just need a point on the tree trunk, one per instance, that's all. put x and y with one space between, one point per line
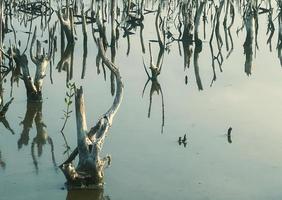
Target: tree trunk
90 169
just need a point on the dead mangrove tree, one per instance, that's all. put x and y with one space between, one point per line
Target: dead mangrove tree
90 169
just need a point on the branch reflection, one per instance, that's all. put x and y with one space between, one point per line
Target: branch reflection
95 194
153 78
34 114
248 44
66 62
2 162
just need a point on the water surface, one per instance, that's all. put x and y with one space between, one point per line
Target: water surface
148 162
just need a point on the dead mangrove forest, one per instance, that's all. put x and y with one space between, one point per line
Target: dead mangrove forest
125 75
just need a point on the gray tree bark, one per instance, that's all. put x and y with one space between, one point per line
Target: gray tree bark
90 169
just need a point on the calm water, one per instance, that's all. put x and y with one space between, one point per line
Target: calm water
148 163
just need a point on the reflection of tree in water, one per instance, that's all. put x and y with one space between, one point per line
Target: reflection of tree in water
66 62
2 162
34 114
248 44
184 18
191 22
155 69
279 42
153 78
65 16
3 120
4 107
6 124
95 194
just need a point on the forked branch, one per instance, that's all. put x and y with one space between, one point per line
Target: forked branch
90 169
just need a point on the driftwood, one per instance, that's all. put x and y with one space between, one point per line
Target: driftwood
90 169
40 59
